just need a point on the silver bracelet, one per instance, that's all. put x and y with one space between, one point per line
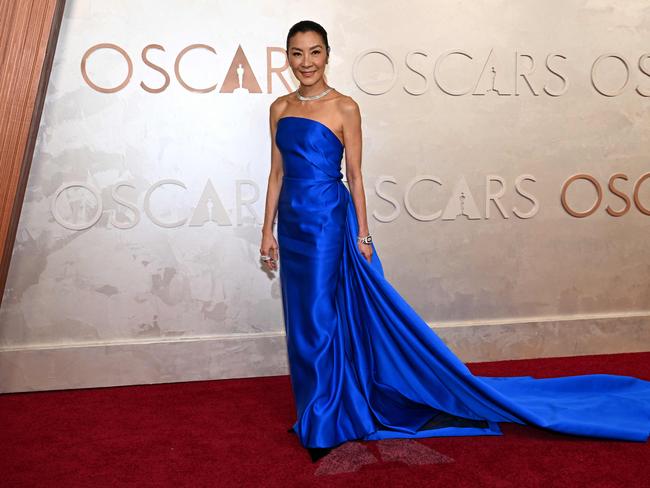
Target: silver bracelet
366 240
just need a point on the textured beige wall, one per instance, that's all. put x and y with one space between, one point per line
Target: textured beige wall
161 282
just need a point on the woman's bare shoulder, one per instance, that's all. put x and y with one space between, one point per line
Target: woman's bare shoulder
279 105
347 106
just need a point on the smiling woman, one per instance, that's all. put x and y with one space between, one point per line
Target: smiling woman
364 365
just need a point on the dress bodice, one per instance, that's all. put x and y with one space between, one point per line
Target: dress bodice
310 150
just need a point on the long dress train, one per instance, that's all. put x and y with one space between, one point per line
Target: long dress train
365 366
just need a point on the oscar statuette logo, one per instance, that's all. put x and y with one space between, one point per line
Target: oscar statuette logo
240 76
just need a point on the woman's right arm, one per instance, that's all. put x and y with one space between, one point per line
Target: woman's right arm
269 245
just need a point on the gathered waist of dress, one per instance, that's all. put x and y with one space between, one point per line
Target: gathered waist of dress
313 178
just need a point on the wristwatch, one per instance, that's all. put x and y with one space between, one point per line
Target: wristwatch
366 240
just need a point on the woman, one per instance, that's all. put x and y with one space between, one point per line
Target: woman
363 364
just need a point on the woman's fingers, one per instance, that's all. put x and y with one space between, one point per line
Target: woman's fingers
272 251
265 262
273 263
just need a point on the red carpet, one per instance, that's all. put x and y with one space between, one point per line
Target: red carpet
234 433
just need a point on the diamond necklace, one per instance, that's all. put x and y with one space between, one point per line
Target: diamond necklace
313 97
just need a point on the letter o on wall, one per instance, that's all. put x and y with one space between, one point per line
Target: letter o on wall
72 225
595 206
97 47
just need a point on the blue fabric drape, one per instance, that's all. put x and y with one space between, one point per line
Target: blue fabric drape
365 366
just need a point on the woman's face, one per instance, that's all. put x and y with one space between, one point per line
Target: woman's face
307 57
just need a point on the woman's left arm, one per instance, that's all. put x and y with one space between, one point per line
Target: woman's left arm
353 145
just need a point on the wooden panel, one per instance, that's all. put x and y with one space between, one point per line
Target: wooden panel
28 33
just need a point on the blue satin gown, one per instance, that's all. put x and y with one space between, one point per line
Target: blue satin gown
365 366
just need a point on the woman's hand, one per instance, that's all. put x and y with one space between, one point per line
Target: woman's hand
269 247
366 250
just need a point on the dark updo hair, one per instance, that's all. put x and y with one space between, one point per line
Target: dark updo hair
308 26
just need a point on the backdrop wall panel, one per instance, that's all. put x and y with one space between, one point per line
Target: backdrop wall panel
505 159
